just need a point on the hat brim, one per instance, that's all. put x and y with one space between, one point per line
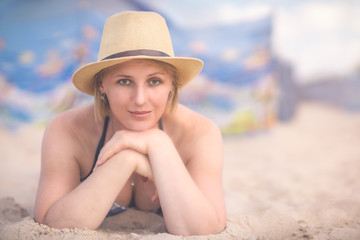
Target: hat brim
187 69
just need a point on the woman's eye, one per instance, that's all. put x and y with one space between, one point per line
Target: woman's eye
154 82
124 81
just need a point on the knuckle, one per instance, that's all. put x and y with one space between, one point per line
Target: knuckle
120 135
117 134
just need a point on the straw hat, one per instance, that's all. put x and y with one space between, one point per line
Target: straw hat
135 35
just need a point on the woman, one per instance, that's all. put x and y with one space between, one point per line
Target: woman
150 152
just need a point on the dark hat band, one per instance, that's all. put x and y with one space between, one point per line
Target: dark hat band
139 52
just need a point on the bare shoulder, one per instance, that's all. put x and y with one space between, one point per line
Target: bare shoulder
70 130
70 119
194 135
195 125
74 123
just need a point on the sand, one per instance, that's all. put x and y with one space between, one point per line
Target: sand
298 180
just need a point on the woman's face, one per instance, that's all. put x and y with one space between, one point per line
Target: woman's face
137 92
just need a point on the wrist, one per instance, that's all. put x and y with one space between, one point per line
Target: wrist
160 141
126 158
134 161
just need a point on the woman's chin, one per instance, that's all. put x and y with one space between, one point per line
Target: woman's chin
139 127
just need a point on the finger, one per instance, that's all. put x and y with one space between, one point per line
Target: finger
155 196
146 174
109 150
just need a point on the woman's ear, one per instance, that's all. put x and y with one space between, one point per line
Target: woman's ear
101 88
170 97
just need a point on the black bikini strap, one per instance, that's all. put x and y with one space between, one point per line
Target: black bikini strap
102 139
99 147
161 124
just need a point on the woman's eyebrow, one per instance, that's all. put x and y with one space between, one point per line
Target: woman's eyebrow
122 75
156 73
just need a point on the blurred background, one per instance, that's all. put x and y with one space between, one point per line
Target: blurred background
262 58
271 70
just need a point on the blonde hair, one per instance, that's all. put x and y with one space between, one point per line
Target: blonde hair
102 107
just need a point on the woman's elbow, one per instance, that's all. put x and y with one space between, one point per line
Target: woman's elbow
60 224
39 216
216 227
221 226
204 228
66 221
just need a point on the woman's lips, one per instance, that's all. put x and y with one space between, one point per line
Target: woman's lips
140 114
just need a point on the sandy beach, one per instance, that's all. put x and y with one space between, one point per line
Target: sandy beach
297 180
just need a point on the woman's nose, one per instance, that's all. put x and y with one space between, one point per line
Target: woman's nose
140 96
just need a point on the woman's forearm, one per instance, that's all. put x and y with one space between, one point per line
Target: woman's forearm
88 204
187 211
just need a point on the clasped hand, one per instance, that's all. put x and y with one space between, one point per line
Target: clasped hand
140 142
